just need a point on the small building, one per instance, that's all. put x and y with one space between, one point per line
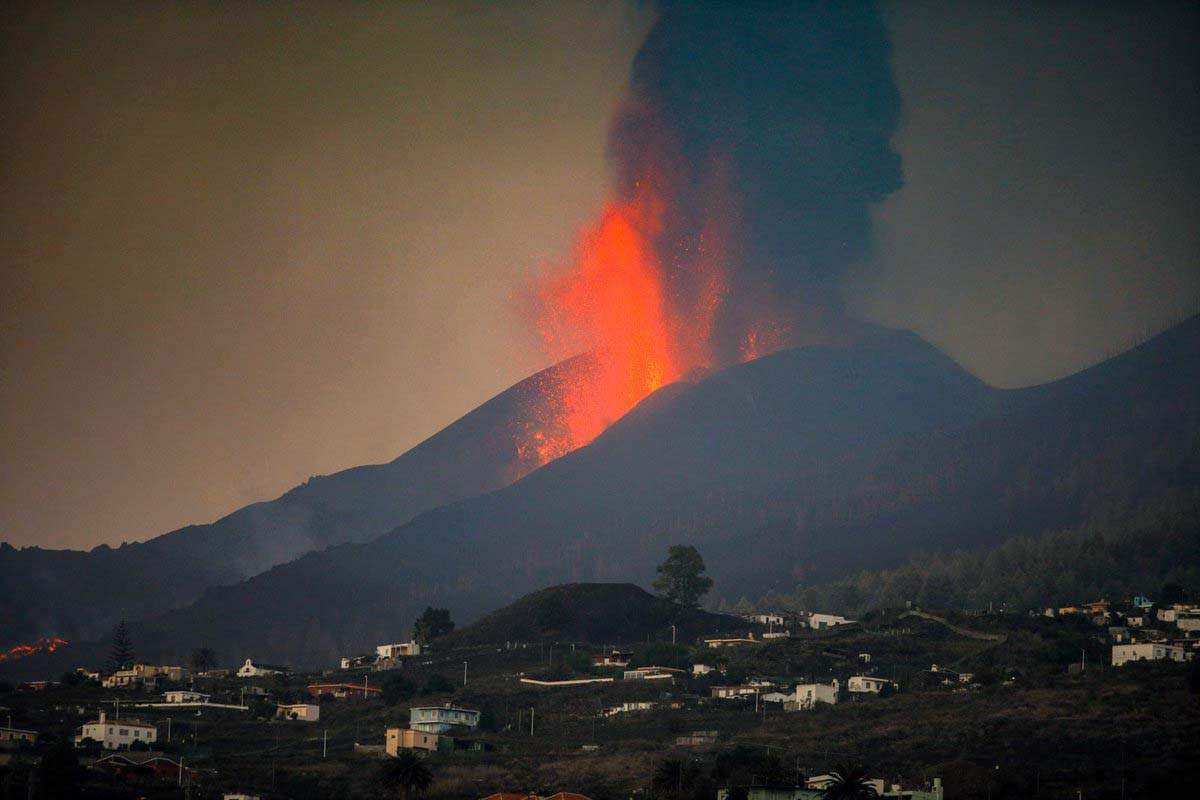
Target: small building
807 695
300 712
398 650
185 696
1118 633
357 662
651 674
865 684
775 697
697 739
257 669
614 658
342 691
733 692
1142 602
765 619
117 734
240 796
1148 651
397 739
820 622
440 719
145 765
639 705
1138 621
731 641
11 737
699 670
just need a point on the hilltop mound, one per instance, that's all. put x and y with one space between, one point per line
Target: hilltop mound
599 613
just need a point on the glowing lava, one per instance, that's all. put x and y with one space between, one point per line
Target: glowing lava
611 304
43 645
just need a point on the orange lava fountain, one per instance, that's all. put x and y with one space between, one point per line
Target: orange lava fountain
611 303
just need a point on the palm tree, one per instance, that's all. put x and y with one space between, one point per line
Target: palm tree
405 774
849 782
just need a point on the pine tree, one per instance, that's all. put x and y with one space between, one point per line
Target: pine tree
121 655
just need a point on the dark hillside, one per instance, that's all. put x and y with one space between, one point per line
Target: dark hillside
795 469
79 594
615 613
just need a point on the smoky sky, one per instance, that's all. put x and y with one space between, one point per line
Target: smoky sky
787 110
243 245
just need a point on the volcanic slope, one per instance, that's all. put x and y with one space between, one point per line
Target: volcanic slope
73 593
799 467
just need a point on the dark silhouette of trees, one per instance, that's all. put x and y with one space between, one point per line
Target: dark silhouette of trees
397 689
849 782
59 774
437 683
203 659
433 623
681 577
121 654
405 775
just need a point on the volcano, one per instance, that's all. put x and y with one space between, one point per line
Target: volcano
806 465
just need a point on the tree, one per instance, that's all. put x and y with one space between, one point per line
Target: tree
1171 593
59 773
681 577
396 689
404 775
674 779
437 683
433 623
121 654
203 659
849 782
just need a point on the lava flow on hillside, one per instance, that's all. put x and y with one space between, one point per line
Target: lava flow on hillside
43 645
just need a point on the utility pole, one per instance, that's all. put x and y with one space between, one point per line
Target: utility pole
672 634
464 673
531 716
168 729
325 743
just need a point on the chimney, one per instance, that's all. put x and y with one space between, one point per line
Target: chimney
101 715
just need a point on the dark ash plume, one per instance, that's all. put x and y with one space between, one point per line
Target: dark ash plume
775 118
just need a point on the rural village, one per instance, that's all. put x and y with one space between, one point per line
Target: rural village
761 706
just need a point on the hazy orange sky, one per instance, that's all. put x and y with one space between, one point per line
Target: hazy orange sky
241 246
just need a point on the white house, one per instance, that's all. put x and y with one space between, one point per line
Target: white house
702 669
776 697
822 621
765 619
614 658
302 712
185 696
650 674
257 670
808 695
397 650
1147 651
117 734
864 684
440 719
626 707
730 692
